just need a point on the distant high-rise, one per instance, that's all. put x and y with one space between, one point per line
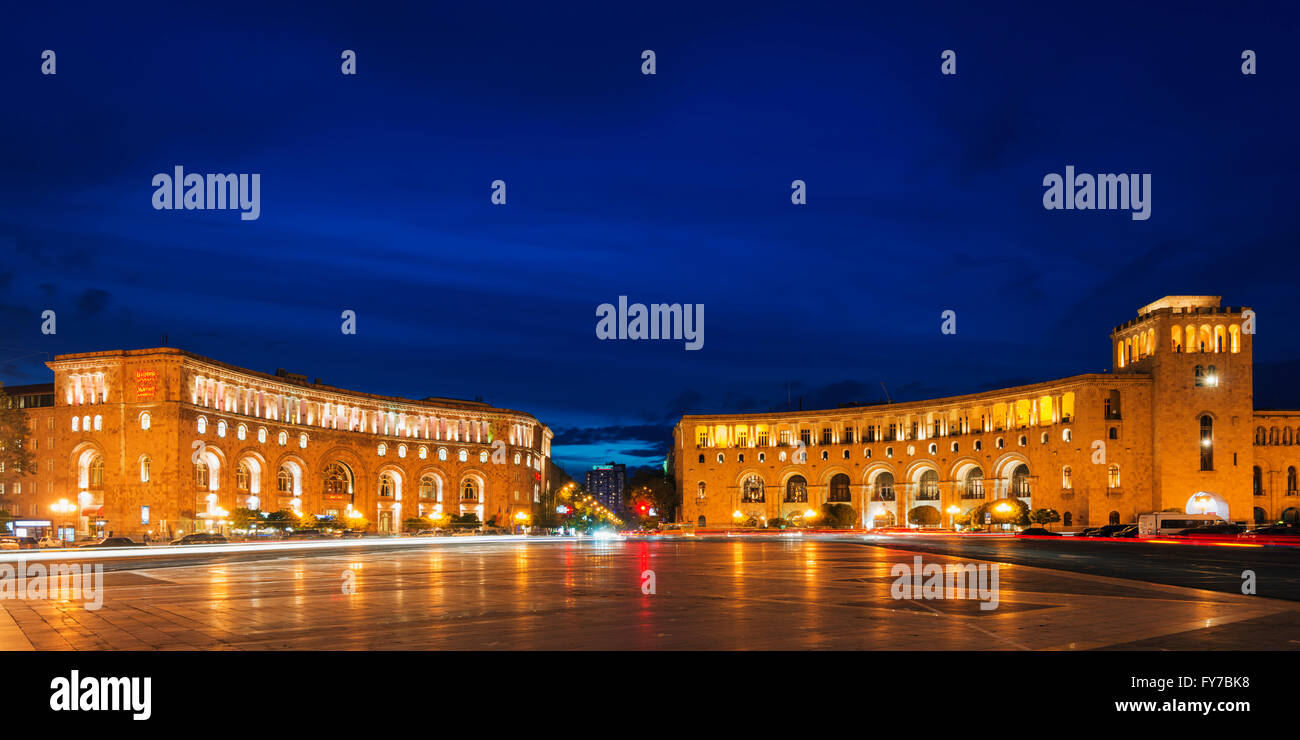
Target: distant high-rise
606 482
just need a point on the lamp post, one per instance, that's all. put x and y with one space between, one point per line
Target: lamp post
953 511
1003 508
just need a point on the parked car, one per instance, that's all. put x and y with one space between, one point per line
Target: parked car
200 538
1275 530
1036 532
1108 530
50 542
352 534
110 542
1129 532
1211 530
432 532
18 543
306 534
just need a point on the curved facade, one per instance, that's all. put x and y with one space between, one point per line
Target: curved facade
163 441
1172 427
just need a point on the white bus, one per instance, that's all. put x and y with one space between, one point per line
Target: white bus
1169 522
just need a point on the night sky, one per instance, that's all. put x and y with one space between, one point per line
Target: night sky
924 194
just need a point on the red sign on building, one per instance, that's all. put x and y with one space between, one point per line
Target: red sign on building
146 384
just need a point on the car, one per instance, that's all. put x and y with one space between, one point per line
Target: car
352 534
50 542
200 538
1129 532
18 543
1108 530
110 542
1036 532
306 534
431 532
1211 530
1275 530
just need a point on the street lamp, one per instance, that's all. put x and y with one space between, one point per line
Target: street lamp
953 511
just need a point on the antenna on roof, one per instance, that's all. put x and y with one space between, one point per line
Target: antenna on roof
887 398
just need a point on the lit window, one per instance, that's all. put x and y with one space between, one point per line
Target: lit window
483 456
261 435
382 449
424 452
442 453
221 428
145 421
144 469
282 438
76 423
99 422
463 456
302 441
203 425
241 431
401 451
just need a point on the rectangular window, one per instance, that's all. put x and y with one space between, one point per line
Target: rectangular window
848 436
826 436
785 436
144 514
805 436
762 439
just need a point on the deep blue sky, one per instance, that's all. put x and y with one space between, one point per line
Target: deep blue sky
924 194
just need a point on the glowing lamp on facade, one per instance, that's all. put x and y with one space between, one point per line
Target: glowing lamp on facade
809 514
954 510
737 515
1003 507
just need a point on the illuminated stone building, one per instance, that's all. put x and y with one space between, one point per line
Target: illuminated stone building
164 441
1173 426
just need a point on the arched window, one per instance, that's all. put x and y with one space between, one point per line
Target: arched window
242 477
699 494
428 486
1020 481
145 464
1261 516
1290 481
1113 433
284 481
469 492
302 441
840 488
145 421
261 435
221 428
884 487
928 486
97 472
382 449
751 490
1258 478
442 454
701 458
1112 477
1114 517
1066 483
386 485
338 480
282 438
1199 376
1067 519
76 423
241 431
201 475
1207 442
203 425
973 484
796 490
462 456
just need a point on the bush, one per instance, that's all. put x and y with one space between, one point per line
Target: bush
924 516
838 515
777 523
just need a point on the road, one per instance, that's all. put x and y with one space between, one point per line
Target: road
688 593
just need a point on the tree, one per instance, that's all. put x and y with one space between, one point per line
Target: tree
1044 516
282 519
776 523
924 516
417 524
838 516
15 459
653 485
1017 512
241 518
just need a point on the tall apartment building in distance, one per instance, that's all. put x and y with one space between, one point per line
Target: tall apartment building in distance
162 441
1172 427
606 484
